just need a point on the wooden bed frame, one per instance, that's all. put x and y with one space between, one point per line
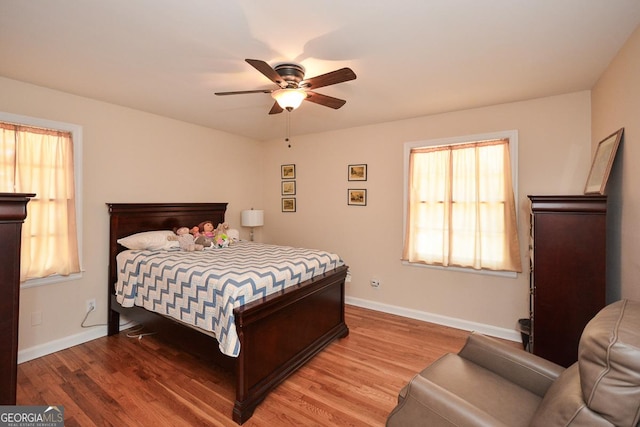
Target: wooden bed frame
272 346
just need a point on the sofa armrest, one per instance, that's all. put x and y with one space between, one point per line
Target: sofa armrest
518 366
426 403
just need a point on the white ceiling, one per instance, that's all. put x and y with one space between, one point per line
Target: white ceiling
412 58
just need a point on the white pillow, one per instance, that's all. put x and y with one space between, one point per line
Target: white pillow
150 240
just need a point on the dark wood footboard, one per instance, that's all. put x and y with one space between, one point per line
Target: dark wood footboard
282 332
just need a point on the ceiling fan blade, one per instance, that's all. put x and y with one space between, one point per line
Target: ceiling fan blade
276 109
269 72
331 78
327 101
240 92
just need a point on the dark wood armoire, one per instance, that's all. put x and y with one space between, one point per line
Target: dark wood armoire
13 211
567 277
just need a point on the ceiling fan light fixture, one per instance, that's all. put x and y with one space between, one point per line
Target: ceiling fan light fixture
289 99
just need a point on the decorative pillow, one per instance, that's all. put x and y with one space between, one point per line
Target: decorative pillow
150 240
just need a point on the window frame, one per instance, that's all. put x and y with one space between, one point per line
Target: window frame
76 131
512 136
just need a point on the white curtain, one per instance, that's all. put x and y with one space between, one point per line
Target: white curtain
40 161
461 207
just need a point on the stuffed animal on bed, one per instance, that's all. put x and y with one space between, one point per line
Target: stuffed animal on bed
207 233
186 240
220 238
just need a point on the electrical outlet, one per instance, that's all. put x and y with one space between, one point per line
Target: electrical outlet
91 304
375 283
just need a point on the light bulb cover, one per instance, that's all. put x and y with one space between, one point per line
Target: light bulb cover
289 99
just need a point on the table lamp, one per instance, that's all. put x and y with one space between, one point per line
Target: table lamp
252 218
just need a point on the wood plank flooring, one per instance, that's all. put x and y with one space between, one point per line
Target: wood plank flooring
121 381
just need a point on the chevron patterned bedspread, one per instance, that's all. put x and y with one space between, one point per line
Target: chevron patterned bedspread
202 288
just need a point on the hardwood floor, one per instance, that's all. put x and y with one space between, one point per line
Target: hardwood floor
121 381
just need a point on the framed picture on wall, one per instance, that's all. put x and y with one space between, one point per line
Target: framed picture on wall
357 197
288 204
357 172
288 188
288 171
602 162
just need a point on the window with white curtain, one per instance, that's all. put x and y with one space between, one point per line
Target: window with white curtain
460 203
40 159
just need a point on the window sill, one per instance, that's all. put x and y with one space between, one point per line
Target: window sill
507 274
56 278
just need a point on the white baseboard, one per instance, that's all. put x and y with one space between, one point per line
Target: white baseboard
61 344
465 325
101 331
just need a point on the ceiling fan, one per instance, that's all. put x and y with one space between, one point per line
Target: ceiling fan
294 88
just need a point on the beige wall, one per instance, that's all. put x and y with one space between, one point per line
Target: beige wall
133 156
616 104
128 156
554 153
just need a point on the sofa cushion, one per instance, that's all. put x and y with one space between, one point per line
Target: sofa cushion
427 404
563 404
609 363
485 390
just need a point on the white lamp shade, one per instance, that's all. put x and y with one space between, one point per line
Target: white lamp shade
252 218
289 99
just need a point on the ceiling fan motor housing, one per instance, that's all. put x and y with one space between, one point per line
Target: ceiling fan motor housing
291 73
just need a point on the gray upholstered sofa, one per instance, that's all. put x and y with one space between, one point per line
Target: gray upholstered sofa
489 383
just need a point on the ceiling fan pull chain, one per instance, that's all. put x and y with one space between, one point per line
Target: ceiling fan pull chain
288 132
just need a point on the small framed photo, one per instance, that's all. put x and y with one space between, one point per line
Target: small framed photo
358 172
288 204
288 171
602 163
288 188
357 197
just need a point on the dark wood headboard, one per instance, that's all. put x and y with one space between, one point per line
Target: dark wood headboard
130 218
